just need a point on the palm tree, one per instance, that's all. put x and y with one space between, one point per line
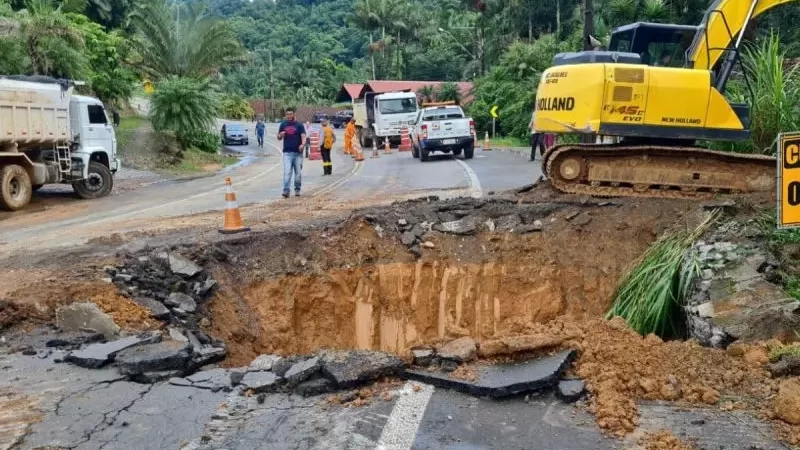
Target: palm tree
197 45
427 92
52 43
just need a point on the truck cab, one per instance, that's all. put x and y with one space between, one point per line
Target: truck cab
382 117
93 134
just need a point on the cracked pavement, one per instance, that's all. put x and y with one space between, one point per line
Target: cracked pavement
49 406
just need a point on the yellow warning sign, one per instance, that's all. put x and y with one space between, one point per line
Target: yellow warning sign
148 87
789 180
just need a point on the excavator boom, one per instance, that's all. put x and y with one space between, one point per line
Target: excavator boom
724 21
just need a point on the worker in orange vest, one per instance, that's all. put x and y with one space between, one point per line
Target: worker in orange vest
349 134
328 138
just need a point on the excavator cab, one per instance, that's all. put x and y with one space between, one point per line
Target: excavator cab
656 44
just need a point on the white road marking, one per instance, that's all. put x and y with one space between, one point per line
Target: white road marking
400 431
475 184
191 197
353 172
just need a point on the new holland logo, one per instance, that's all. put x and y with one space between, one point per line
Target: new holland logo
556 104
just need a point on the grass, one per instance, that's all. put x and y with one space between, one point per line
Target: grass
768 224
510 141
195 161
776 240
779 352
127 129
650 294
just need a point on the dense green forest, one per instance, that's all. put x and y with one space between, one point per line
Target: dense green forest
300 51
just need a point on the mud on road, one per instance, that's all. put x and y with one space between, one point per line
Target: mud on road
422 272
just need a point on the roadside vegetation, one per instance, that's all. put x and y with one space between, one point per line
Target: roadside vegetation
650 294
771 86
785 245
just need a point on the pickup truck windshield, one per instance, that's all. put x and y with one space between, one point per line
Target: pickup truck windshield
398 106
443 114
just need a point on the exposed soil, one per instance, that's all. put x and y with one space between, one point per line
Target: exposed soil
664 440
356 286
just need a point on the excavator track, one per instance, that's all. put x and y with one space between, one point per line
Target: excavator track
619 170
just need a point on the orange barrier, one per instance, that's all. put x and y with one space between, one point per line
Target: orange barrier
315 154
232 222
405 141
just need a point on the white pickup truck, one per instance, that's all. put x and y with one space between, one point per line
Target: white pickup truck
442 128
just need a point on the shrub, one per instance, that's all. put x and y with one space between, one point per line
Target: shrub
204 141
234 108
184 106
650 294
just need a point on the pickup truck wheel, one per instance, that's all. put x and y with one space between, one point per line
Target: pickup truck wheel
98 184
15 187
469 151
423 154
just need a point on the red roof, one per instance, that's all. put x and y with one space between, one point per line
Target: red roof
348 92
353 89
380 86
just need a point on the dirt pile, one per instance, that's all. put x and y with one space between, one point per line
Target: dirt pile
664 440
620 367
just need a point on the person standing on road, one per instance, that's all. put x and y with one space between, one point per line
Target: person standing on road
260 128
328 138
537 139
309 130
293 135
349 134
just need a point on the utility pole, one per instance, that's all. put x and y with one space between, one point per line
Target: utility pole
271 90
588 24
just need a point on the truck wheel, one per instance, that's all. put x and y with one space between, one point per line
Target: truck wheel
469 151
98 184
423 154
456 152
15 187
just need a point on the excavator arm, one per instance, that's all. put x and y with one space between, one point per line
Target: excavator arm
723 22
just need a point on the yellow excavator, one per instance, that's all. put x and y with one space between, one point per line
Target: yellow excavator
654 93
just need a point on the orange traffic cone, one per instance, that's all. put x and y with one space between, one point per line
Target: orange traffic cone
486 145
375 150
357 154
387 147
233 220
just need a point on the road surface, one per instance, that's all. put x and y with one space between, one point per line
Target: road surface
78 411
56 218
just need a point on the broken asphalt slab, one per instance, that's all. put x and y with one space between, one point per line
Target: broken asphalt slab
163 356
182 266
503 380
97 355
349 369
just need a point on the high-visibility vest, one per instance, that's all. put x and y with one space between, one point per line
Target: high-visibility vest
327 141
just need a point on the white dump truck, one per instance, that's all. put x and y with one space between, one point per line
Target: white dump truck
380 117
50 135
